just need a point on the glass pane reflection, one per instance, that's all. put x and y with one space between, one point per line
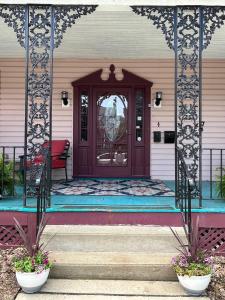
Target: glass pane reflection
112 130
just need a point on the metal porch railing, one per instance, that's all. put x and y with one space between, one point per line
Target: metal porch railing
184 187
12 163
213 172
41 184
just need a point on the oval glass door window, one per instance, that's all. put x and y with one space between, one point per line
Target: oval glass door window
112 130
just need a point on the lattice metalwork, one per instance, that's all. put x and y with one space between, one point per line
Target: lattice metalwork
162 18
14 16
40 29
213 19
65 16
39 49
9 236
188 89
212 239
187 30
39 45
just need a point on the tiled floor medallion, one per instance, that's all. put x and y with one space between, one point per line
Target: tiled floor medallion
114 187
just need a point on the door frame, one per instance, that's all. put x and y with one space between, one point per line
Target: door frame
82 155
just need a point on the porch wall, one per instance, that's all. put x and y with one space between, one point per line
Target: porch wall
160 72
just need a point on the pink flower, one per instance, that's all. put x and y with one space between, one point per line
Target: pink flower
183 263
208 260
174 261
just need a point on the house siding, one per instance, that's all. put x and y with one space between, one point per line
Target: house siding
160 72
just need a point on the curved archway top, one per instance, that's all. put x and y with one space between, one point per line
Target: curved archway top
129 79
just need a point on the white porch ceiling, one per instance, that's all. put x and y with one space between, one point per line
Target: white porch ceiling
111 32
119 2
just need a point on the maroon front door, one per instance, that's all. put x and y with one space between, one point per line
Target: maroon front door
111 126
112 132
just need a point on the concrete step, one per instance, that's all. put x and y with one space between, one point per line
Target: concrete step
112 265
111 252
109 290
110 239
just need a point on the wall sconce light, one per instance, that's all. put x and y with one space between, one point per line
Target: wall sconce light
202 125
65 99
158 99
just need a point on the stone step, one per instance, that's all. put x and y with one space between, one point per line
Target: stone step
109 290
111 229
112 265
152 239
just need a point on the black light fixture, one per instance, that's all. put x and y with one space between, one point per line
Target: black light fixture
65 98
158 99
202 124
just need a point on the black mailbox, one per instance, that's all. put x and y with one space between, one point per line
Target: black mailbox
157 136
169 137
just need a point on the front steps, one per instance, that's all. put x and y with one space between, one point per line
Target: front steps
111 263
58 289
111 252
123 266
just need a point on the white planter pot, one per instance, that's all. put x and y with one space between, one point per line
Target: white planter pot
195 285
32 282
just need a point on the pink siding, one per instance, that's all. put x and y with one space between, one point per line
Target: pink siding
160 72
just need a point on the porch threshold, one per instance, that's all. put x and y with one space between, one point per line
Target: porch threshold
123 204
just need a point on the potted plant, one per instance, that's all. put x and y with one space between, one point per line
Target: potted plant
193 265
32 269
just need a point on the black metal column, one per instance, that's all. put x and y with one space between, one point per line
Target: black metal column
188 50
39 43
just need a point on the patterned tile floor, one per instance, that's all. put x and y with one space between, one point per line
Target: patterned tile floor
112 187
116 203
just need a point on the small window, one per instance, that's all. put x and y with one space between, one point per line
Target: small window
84 116
139 117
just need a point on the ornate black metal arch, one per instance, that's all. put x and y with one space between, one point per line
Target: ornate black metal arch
64 17
163 17
39 29
188 31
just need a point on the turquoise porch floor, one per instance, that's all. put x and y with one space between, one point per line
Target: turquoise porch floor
125 203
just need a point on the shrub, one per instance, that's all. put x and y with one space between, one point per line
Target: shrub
6 176
220 184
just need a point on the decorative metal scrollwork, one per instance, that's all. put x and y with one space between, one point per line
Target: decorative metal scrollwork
65 16
43 26
188 96
39 77
39 45
162 17
213 18
14 16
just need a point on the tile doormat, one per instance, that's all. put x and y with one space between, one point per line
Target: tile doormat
112 187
